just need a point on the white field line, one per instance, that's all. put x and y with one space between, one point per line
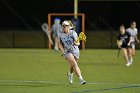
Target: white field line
57 82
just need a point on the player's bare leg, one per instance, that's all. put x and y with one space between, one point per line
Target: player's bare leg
133 51
74 65
130 57
70 73
125 53
56 43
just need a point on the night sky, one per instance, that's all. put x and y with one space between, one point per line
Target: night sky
21 14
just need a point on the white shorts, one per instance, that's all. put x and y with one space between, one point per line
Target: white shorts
76 55
133 45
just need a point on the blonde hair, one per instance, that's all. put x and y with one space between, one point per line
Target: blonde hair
71 24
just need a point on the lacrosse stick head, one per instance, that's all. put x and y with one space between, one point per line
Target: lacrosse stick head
82 36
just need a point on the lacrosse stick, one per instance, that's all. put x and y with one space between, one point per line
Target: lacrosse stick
44 27
119 52
81 36
119 42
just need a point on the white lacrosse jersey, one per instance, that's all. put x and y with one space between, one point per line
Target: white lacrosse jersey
132 32
67 41
56 29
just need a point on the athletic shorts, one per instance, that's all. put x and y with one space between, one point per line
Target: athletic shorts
76 54
132 45
55 34
124 46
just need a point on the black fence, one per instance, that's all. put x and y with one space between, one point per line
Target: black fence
38 39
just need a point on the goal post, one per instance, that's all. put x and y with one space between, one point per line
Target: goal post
82 15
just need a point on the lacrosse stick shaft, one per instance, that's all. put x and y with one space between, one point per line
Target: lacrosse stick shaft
118 52
67 49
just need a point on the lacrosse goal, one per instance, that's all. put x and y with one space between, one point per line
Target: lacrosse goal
67 16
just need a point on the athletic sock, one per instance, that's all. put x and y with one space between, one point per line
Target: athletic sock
71 74
131 59
81 78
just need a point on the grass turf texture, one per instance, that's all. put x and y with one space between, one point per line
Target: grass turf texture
44 71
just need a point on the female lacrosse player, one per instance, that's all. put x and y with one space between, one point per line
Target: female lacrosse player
133 32
56 30
69 47
123 42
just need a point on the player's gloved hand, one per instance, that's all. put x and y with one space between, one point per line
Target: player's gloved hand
128 44
138 41
119 44
77 44
63 53
119 47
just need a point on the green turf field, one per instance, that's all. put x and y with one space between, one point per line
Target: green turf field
44 71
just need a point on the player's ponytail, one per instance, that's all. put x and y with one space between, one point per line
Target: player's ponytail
72 27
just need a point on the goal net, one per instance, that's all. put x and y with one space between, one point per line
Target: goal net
79 23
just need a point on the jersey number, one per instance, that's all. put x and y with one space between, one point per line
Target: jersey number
68 42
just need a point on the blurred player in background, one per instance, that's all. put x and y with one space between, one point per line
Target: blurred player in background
56 30
133 32
69 47
124 42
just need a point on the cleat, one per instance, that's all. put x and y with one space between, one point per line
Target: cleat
83 82
128 64
70 77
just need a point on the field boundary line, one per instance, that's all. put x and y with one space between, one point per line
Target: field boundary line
59 82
